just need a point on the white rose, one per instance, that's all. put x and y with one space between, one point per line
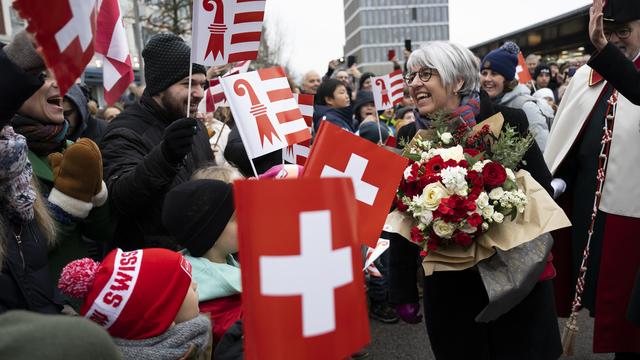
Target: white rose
510 175
446 137
498 217
443 229
482 200
432 194
485 226
426 217
496 193
487 212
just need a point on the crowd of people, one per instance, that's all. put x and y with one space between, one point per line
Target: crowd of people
93 198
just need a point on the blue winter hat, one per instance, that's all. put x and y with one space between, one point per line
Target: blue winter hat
503 60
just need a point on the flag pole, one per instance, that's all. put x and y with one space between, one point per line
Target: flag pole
379 132
253 166
190 74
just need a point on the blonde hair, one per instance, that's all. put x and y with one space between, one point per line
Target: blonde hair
215 172
42 217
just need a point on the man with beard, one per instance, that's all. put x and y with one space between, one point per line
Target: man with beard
153 146
593 146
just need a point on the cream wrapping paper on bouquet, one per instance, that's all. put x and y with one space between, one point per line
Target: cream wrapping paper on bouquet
541 215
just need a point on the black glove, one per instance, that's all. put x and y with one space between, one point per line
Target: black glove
177 139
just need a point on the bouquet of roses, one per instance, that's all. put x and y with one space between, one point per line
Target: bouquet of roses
460 182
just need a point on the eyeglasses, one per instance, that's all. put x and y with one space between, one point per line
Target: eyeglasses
623 33
424 75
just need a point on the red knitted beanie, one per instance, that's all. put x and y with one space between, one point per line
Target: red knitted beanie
134 295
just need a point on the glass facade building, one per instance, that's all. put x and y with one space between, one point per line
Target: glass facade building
373 27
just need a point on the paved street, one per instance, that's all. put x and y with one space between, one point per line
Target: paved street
408 342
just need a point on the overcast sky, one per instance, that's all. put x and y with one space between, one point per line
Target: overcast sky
312 31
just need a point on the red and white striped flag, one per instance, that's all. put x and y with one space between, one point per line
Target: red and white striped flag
387 90
111 43
226 31
267 115
298 153
214 96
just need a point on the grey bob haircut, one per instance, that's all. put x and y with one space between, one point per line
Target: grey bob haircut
452 61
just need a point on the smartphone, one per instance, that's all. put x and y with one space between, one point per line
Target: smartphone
407 44
351 59
391 54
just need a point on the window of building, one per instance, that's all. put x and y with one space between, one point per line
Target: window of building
3 31
414 14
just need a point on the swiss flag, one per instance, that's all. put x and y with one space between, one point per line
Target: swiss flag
376 174
65 30
302 282
522 71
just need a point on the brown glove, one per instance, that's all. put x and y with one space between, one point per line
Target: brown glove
77 177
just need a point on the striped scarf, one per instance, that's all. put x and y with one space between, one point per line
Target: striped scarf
42 138
468 110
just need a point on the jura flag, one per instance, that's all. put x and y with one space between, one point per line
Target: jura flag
65 30
298 153
226 31
375 172
387 90
267 115
214 96
111 43
522 71
302 283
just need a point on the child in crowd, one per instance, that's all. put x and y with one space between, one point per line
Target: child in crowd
147 301
201 215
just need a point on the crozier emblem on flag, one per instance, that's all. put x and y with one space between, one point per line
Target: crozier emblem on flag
267 115
298 153
65 30
226 31
376 174
387 90
214 96
302 283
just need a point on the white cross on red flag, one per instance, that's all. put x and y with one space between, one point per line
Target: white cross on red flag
298 153
267 115
111 43
387 90
302 285
226 31
65 30
214 96
522 71
376 174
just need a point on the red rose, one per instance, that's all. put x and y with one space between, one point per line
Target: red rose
434 165
494 174
423 253
475 220
462 238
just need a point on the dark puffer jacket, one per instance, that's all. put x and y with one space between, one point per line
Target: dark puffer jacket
24 281
139 177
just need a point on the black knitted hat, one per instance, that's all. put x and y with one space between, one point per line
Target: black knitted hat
196 212
166 61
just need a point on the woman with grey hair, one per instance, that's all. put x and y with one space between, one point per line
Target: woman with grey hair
444 77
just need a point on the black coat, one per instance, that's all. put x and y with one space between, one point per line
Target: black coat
450 316
16 86
138 177
26 285
618 70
